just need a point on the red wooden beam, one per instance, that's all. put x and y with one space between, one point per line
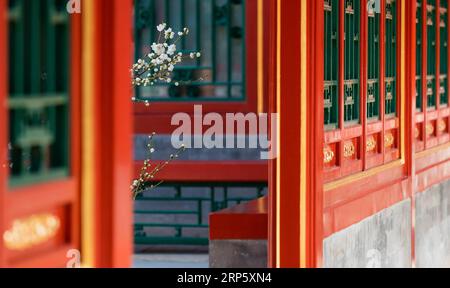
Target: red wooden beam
272 78
51 194
75 126
3 120
432 176
315 135
113 139
287 217
204 171
410 94
295 212
355 210
247 221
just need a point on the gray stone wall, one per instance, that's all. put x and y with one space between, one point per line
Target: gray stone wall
433 227
380 241
238 254
383 240
163 149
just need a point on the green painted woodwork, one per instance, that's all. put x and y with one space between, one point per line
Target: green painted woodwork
217 29
443 53
373 66
391 59
352 62
181 210
419 42
431 54
38 90
331 62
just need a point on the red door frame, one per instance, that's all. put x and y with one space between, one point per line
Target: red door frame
4 120
272 76
59 197
295 181
113 243
410 83
315 138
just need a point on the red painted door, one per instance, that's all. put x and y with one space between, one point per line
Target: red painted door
39 133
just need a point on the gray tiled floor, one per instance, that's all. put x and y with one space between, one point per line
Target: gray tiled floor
170 261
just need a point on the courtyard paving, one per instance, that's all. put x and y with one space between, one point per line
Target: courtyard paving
182 261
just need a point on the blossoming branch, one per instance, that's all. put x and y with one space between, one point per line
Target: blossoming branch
158 66
148 171
160 63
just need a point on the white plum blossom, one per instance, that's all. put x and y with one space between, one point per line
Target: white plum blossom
195 55
171 49
159 49
161 27
160 63
169 34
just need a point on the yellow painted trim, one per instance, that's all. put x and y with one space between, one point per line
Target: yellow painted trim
278 188
87 194
361 176
402 161
260 56
304 116
432 151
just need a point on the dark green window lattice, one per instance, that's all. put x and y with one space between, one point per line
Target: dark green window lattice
177 213
331 69
431 53
38 90
443 53
351 59
419 55
217 29
391 44
373 67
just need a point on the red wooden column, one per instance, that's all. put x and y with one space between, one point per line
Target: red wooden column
3 121
410 76
113 133
272 78
315 136
75 126
295 237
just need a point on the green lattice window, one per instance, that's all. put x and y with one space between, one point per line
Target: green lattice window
373 67
431 53
351 59
443 53
331 69
218 29
419 56
38 90
177 213
391 61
